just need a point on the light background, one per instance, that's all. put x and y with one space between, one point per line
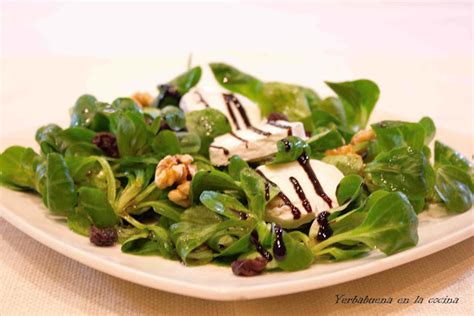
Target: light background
419 53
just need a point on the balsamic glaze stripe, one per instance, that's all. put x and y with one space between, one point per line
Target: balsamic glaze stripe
259 131
294 210
265 177
225 150
267 191
241 139
304 162
324 231
242 215
228 101
289 130
299 190
258 246
279 248
241 109
245 118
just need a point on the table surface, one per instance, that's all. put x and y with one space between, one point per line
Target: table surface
420 55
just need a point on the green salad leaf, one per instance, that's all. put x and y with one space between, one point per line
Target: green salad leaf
401 169
236 165
153 240
325 138
133 136
254 187
237 81
390 226
454 186
61 196
298 254
358 99
17 168
289 149
190 143
86 113
187 80
96 205
349 188
284 98
391 134
211 180
429 127
347 164
166 143
445 155
292 100
224 205
207 124
78 221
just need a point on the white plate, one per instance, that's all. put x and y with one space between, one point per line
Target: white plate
26 212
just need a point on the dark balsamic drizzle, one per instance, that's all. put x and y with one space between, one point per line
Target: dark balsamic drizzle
267 191
265 177
279 248
201 99
301 195
289 130
231 99
287 144
324 231
259 247
259 131
242 215
228 98
294 210
225 150
304 162
241 139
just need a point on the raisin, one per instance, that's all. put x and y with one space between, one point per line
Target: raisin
164 126
277 116
249 267
103 237
107 142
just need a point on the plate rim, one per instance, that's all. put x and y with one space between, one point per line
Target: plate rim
232 293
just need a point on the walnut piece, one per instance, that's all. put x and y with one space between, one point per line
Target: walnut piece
362 136
179 170
143 99
180 195
343 150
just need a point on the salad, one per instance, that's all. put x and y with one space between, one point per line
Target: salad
222 167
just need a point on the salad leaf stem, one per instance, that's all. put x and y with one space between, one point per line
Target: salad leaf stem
111 188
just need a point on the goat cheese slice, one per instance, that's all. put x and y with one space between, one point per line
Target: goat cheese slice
297 186
253 144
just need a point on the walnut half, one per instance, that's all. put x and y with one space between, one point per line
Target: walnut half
360 137
143 99
176 170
